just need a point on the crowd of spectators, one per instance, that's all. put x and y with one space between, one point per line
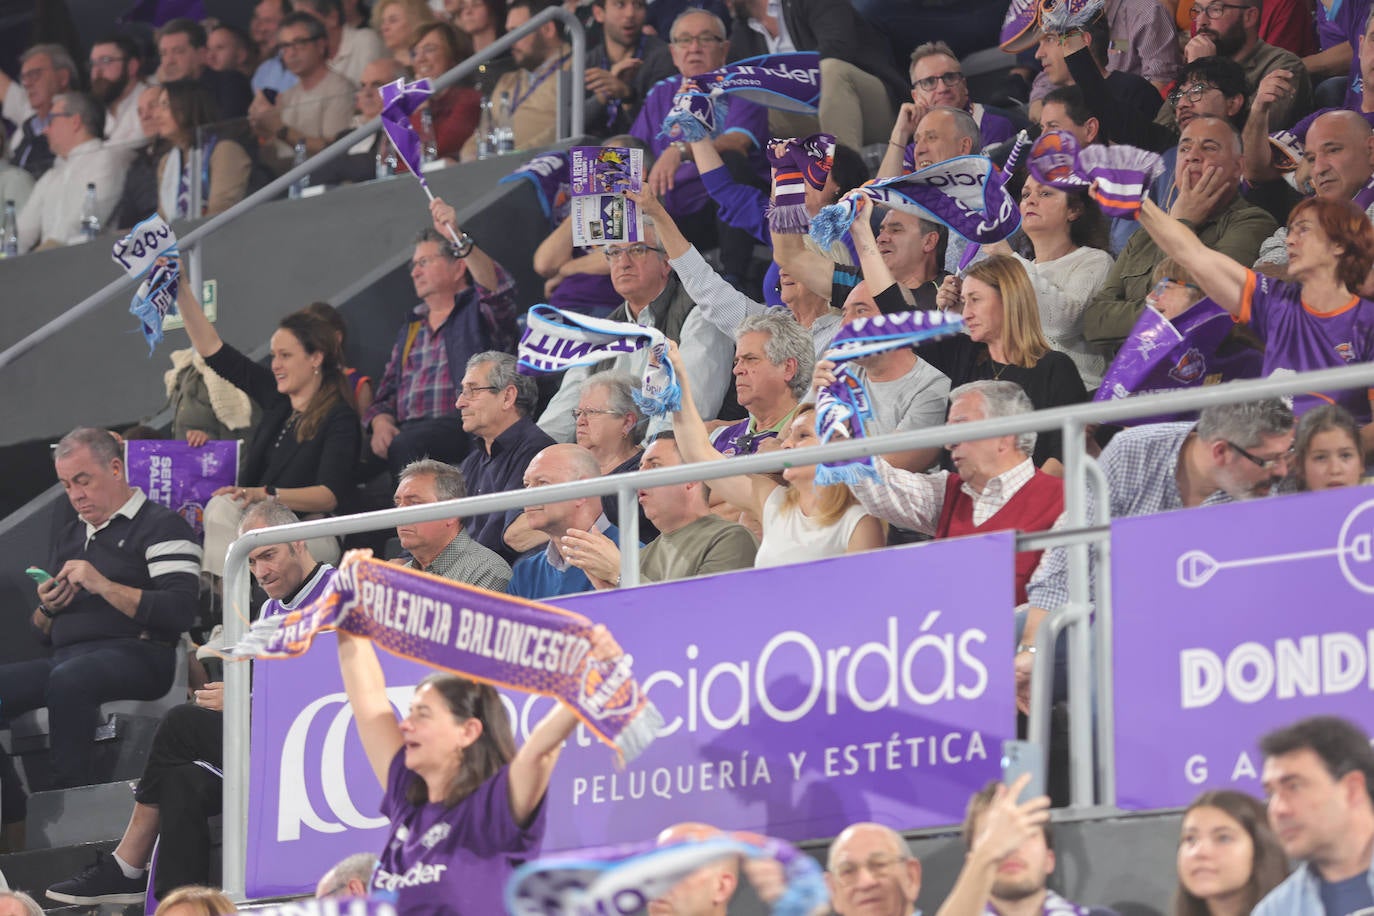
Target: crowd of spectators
1264 208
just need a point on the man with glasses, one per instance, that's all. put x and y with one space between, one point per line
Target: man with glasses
495 402
53 213
1233 452
271 73
348 50
937 81
181 56
467 306
116 80
315 110
653 297
1227 29
872 871
1010 857
44 72
548 573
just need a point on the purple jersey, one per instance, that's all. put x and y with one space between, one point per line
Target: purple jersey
309 590
442 860
688 194
1297 339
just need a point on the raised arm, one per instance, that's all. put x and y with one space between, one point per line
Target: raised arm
480 265
366 689
674 243
532 766
203 335
875 271
742 491
1220 277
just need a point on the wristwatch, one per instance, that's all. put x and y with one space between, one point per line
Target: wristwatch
683 150
43 609
282 133
270 491
464 246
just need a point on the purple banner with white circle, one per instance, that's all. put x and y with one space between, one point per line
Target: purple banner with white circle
182 477
796 700
1231 621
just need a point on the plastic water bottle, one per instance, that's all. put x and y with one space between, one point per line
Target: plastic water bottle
299 186
505 133
429 146
90 217
9 233
386 162
485 145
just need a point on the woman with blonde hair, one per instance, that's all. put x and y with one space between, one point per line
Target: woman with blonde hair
397 22
801 521
1005 342
195 900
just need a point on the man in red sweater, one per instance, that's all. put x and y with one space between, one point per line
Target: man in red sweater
995 487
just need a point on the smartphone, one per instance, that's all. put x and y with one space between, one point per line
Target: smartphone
39 576
1019 758
214 668
270 95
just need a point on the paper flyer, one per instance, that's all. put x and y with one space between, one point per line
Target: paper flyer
601 214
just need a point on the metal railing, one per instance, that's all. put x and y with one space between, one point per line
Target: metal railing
189 243
1081 535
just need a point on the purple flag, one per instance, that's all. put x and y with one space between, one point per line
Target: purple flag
180 477
1188 352
1231 621
399 101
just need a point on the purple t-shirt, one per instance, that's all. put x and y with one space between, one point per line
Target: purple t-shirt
688 194
455 861
1300 340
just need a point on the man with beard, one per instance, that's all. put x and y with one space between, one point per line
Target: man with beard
1010 858
1232 452
116 81
526 99
622 67
1232 30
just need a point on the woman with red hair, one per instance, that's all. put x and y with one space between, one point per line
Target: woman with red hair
1315 319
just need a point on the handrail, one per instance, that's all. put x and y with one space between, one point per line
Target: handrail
625 486
336 149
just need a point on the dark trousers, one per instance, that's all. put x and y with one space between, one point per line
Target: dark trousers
185 793
441 438
74 682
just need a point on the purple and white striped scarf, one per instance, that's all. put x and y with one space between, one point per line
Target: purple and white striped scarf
555 340
1117 176
967 193
138 253
844 405
797 163
787 82
624 879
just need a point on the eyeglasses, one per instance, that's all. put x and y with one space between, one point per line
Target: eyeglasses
32 74
298 44
589 412
1215 10
54 115
636 251
950 79
1194 92
422 263
706 40
470 391
106 61
1265 464
848 872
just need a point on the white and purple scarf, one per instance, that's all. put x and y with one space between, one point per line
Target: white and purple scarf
967 193
555 340
798 163
787 82
624 879
844 405
1117 176
137 253
1054 905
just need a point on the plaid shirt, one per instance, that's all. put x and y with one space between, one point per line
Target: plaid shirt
465 560
427 385
1140 465
914 501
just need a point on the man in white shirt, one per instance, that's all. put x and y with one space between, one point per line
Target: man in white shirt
53 214
350 49
116 81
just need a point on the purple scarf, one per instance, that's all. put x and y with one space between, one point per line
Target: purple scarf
548 174
787 82
1117 176
844 405
797 164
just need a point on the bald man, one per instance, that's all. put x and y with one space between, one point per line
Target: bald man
706 891
547 573
1340 145
871 871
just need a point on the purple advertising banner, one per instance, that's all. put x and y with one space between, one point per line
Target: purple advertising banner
796 700
1231 621
180 477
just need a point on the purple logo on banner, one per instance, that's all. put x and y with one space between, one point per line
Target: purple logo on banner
1230 621
778 713
173 474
